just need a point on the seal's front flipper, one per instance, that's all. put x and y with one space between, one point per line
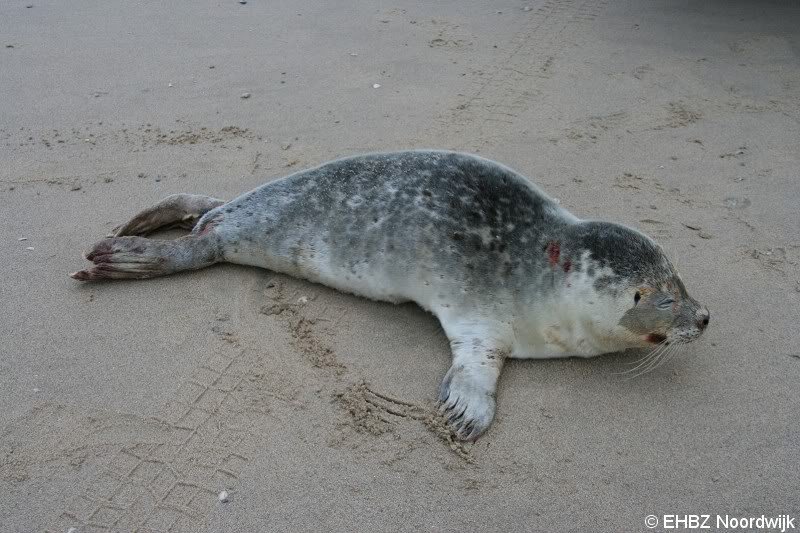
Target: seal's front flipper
467 394
181 210
139 258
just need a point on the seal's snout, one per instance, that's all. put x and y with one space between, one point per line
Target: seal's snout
703 317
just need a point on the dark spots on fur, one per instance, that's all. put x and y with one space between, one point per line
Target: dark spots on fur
628 253
457 207
229 210
495 245
249 213
553 250
567 266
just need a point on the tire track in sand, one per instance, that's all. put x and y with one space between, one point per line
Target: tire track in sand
506 89
171 483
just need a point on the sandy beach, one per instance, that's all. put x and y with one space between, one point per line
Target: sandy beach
130 406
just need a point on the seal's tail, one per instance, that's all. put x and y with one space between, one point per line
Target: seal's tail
139 258
176 210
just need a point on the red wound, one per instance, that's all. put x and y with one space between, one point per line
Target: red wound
211 224
553 253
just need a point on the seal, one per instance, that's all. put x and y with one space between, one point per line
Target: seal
505 269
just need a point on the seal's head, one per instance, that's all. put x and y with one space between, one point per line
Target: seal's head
632 273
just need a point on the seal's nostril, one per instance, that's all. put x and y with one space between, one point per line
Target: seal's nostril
703 322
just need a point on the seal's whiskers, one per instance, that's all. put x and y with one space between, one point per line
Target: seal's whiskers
647 358
671 354
663 356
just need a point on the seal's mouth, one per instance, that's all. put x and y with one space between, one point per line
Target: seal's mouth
656 338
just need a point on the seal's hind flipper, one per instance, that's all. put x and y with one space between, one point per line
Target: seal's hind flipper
139 258
181 210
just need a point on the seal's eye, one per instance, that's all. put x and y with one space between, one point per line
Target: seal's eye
666 304
637 297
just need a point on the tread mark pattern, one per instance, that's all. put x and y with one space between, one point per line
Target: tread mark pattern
173 484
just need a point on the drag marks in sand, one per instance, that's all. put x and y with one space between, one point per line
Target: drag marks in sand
366 410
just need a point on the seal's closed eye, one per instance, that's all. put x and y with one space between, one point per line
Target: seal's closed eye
666 304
